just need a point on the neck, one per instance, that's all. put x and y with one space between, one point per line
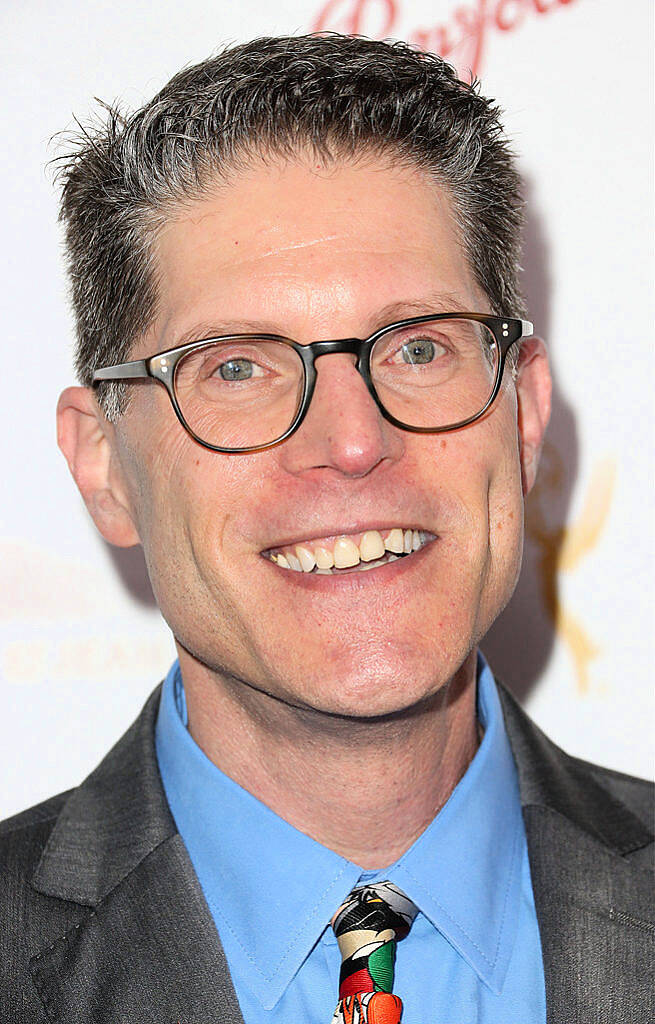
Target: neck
365 788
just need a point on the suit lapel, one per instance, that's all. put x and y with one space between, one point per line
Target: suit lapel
148 953
593 905
596 937
146 949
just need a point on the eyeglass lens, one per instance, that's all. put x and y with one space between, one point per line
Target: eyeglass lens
245 393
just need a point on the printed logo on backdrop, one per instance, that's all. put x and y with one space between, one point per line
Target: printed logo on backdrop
563 547
461 35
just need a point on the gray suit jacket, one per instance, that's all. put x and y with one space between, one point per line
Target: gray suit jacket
103 920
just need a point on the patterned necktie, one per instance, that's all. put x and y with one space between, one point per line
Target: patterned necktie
368 926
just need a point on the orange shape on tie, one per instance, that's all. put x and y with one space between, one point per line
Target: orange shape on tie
384 1008
348 1009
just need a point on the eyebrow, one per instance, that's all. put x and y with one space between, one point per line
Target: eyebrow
400 310
436 303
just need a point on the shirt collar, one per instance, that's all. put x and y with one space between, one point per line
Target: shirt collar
464 871
272 889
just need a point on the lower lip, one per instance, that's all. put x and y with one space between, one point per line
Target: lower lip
356 580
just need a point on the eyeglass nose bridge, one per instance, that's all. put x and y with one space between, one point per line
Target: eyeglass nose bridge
353 346
359 347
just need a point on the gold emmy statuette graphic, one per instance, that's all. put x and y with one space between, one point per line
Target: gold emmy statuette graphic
562 547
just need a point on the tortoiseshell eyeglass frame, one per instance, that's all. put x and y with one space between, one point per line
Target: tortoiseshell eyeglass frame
161 367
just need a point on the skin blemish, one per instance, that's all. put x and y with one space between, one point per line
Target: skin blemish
443 443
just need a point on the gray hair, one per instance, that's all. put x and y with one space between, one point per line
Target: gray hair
340 96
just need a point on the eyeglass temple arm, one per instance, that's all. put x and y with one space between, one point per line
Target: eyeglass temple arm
137 368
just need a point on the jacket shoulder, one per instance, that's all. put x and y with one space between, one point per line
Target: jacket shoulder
30 920
633 793
60 858
33 817
609 805
23 838
636 793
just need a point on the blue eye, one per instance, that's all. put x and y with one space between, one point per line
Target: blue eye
421 350
236 369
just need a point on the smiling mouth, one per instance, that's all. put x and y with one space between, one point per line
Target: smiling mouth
349 552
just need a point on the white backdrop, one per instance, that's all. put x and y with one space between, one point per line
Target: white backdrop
81 643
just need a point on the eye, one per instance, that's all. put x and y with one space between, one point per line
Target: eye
237 369
419 350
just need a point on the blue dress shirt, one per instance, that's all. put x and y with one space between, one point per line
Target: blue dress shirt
474 952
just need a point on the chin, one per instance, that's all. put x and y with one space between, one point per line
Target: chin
375 683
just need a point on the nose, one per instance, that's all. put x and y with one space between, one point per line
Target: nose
343 429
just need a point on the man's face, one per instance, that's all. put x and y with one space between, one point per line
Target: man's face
310 252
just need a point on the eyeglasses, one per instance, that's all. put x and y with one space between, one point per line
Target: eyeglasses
247 392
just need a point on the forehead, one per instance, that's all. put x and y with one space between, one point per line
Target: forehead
295 246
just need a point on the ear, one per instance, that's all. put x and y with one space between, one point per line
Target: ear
86 438
533 389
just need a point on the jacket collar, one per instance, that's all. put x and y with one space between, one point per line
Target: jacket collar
119 815
548 777
115 819
148 949
593 902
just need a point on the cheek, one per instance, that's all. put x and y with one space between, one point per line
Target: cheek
204 509
505 516
483 471
506 527
154 455
169 487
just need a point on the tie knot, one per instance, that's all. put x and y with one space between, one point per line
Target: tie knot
368 925
380 910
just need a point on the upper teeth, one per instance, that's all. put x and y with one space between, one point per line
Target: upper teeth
346 552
